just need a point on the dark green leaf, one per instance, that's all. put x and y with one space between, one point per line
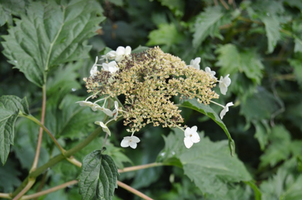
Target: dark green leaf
50 35
207 24
260 106
9 109
9 174
9 8
207 163
208 111
98 177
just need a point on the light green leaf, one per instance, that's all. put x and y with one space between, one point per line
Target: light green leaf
176 6
262 131
98 177
279 147
297 65
207 163
9 8
231 60
166 34
10 106
50 35
207 24
285 184
208 111
272 27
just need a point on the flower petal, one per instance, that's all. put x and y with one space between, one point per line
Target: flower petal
133 145
188 142
195 138
125 142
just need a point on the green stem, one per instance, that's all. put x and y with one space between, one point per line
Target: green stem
32 196
32 118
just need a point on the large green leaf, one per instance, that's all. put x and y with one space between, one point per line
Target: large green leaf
231 60
207 24
49 35
208 111
9 176
207 163
10 106
9 8
98 177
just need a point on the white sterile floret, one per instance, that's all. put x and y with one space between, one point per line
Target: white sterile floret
225 109
110 55
191 136
85 103
122 52
130 141
195 63
110 67
94 69
224 84
104 127
107 111
115 111
212 73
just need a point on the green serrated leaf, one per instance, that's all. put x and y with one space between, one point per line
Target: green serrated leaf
9 8
50 35
297 65
285 184
208 23
207 163
10 106
279 148
208 111
139 49
272 27
166 34
98 177
232 61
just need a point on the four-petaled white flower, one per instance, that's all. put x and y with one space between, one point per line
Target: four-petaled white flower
115 111
104 127
191 136
121 53
195 63
94 69
224 84
110 67
130 141
212 73
225 109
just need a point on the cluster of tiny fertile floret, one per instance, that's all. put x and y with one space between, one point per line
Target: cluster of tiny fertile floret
149 81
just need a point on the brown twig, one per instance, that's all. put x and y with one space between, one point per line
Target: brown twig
132 190
225 5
